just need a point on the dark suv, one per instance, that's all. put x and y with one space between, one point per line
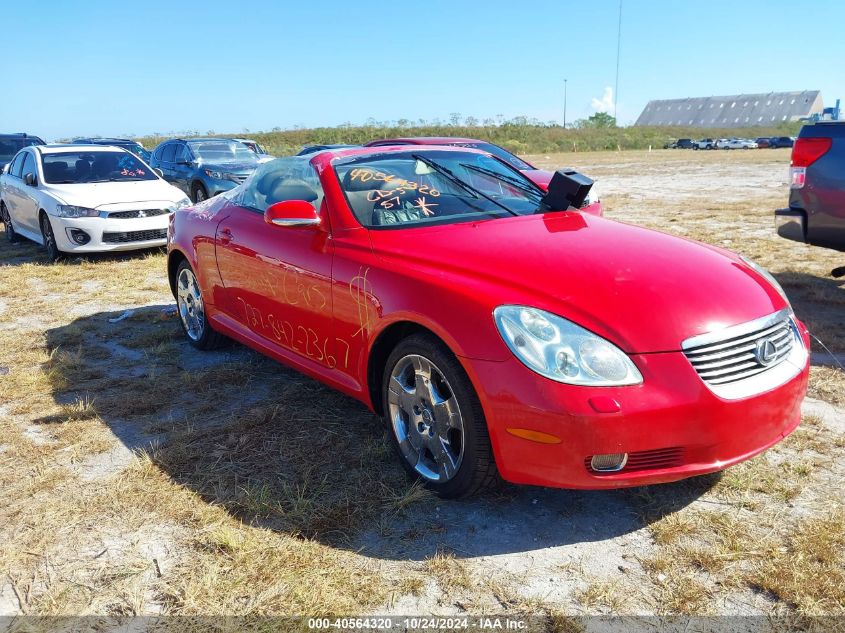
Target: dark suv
124 143
204 167
781 141
11 144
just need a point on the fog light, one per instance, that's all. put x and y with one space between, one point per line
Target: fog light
608 463
78 236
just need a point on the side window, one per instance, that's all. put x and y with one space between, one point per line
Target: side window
181 153
292 178
29 165
17 164
168 152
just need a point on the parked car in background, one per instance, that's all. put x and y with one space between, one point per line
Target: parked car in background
11 144
681 143
85 198
263 155
495 332
204 167
816 212
722 143
738 143
781 141
705 143
540 177
764 141
128 144
311 149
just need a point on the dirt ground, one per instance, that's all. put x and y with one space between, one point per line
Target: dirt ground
140 476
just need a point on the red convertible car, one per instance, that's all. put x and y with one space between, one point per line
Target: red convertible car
497 333
539 177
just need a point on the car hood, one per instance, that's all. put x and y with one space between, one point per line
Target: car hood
238 168
96 194
641 289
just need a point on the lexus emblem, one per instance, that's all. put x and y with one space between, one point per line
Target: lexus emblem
765 351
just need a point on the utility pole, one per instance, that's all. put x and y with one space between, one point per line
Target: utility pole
564 104
618 48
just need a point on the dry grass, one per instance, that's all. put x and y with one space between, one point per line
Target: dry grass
140 476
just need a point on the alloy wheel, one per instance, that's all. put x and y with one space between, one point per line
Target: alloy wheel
426 418
189 302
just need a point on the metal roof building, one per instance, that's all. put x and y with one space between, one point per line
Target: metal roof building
733 111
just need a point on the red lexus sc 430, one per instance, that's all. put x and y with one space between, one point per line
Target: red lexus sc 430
539 177
497 332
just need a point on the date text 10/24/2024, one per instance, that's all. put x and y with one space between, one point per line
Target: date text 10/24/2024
421 623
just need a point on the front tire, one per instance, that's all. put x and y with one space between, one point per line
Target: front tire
49 238
435 419
198 192
191 309
6 219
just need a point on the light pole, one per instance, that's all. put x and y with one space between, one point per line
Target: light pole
564 104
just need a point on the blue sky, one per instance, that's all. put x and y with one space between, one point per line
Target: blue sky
101 67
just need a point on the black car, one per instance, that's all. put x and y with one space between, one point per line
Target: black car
781 141
124 143
11 144
681 143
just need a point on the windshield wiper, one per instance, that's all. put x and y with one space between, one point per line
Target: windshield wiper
443 171
508 179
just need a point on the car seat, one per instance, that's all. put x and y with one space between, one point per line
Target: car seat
82 170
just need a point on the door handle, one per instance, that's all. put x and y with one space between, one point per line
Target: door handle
226 236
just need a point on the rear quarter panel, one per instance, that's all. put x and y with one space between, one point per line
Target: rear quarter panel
823 195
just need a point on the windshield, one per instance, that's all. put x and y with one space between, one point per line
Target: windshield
11 146
498 152
84 167
222 151
137 149
420 187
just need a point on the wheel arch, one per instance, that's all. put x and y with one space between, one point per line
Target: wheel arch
380 351
174 258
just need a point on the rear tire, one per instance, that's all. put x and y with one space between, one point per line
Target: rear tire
49 238
199 192
435 419
6 219
191 309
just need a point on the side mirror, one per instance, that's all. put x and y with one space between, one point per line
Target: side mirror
567 188
159 172
30 180
292 213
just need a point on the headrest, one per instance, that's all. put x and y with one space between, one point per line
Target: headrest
358 184
292 189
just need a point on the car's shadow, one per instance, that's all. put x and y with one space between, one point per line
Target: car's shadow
819 301
24 251
280 450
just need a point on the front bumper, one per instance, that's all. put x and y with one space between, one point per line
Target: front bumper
671 426
110 234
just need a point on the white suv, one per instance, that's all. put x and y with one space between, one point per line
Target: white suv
85 198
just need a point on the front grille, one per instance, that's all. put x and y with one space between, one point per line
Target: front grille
135 236
239 179
739 355
646 460
138 213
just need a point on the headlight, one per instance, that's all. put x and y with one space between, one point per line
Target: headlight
71 211
563 351
181 204
768 276
217 175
